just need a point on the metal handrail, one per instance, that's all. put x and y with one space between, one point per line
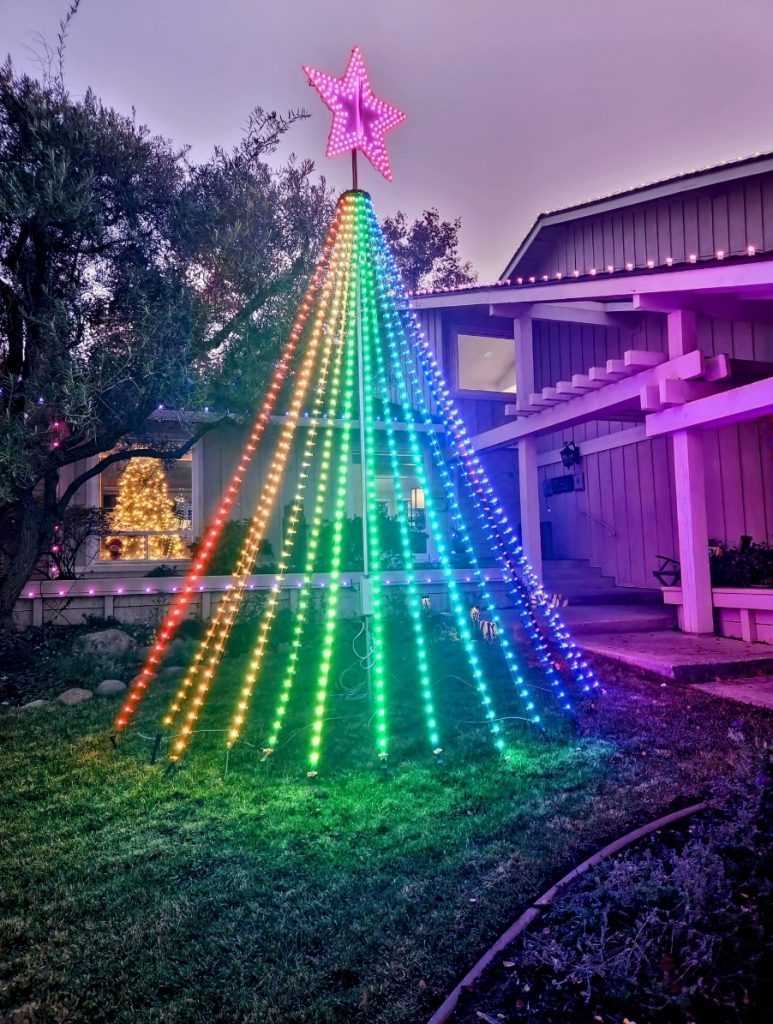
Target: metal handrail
596 519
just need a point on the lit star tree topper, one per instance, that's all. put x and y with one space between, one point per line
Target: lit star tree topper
360 119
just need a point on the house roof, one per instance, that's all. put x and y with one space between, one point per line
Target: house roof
727 170
542 233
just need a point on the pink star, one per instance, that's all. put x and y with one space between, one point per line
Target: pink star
360 119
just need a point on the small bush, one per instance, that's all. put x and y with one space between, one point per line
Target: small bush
749 565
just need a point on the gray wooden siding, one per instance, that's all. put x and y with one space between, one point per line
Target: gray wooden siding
723 217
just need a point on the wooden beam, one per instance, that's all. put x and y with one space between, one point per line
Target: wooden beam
638 359
750 402
582 382
605 402
677 392
524 360
682 332
736 278
595 313
528 494
649 397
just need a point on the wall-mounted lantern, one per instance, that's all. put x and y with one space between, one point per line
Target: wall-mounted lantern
570 455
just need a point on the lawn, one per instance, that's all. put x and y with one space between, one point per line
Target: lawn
131 895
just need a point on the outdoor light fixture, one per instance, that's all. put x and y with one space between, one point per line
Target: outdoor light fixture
570 454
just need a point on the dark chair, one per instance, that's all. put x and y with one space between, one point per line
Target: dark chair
669 572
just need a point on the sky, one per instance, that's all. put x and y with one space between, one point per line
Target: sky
514 106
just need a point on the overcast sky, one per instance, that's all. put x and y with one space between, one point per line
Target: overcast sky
514 106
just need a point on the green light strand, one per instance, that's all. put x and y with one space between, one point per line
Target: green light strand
369 327
454 594
413 597
339 513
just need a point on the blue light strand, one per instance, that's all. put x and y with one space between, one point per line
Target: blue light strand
454 594
499 531
507 647
413 598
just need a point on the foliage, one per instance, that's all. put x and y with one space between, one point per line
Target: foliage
675 929
80 524
229 546
41 661
427 251
164 570
131 278
748 565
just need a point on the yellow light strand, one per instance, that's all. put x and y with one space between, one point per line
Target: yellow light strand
272 604
323 482
228 608
183 598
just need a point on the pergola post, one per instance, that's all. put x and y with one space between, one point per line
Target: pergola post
692 526
690 490
528 482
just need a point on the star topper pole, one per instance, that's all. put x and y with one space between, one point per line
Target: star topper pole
360 118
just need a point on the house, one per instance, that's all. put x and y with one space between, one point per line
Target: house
635 332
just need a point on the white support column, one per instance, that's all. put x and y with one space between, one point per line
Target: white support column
690 490
692 524
528 481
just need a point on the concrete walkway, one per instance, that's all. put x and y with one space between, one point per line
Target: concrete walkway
747 691
682 657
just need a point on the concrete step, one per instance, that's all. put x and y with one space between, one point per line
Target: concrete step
681 657
621 596
588 620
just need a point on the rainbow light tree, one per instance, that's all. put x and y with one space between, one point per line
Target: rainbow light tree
361 369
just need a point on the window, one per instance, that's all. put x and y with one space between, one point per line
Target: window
485 364
149 510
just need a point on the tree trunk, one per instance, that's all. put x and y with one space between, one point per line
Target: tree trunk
31 530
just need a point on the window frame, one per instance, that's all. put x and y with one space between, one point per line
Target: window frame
453 361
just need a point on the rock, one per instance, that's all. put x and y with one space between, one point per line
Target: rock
178 650
143 653
31 704
110 642
172 670
75 695
110 688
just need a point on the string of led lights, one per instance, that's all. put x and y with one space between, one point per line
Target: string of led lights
182 600
339 514
212 645
392 328
499 532
315 527
540 647
412 594
368 326
323 397
454 593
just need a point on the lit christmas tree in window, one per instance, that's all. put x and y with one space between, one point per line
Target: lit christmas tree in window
144 506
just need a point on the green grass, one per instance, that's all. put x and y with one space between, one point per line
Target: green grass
131 896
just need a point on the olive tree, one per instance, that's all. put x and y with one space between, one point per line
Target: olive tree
130 278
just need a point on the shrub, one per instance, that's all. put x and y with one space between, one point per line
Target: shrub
675 930
748 565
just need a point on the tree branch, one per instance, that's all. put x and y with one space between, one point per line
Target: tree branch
254 303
